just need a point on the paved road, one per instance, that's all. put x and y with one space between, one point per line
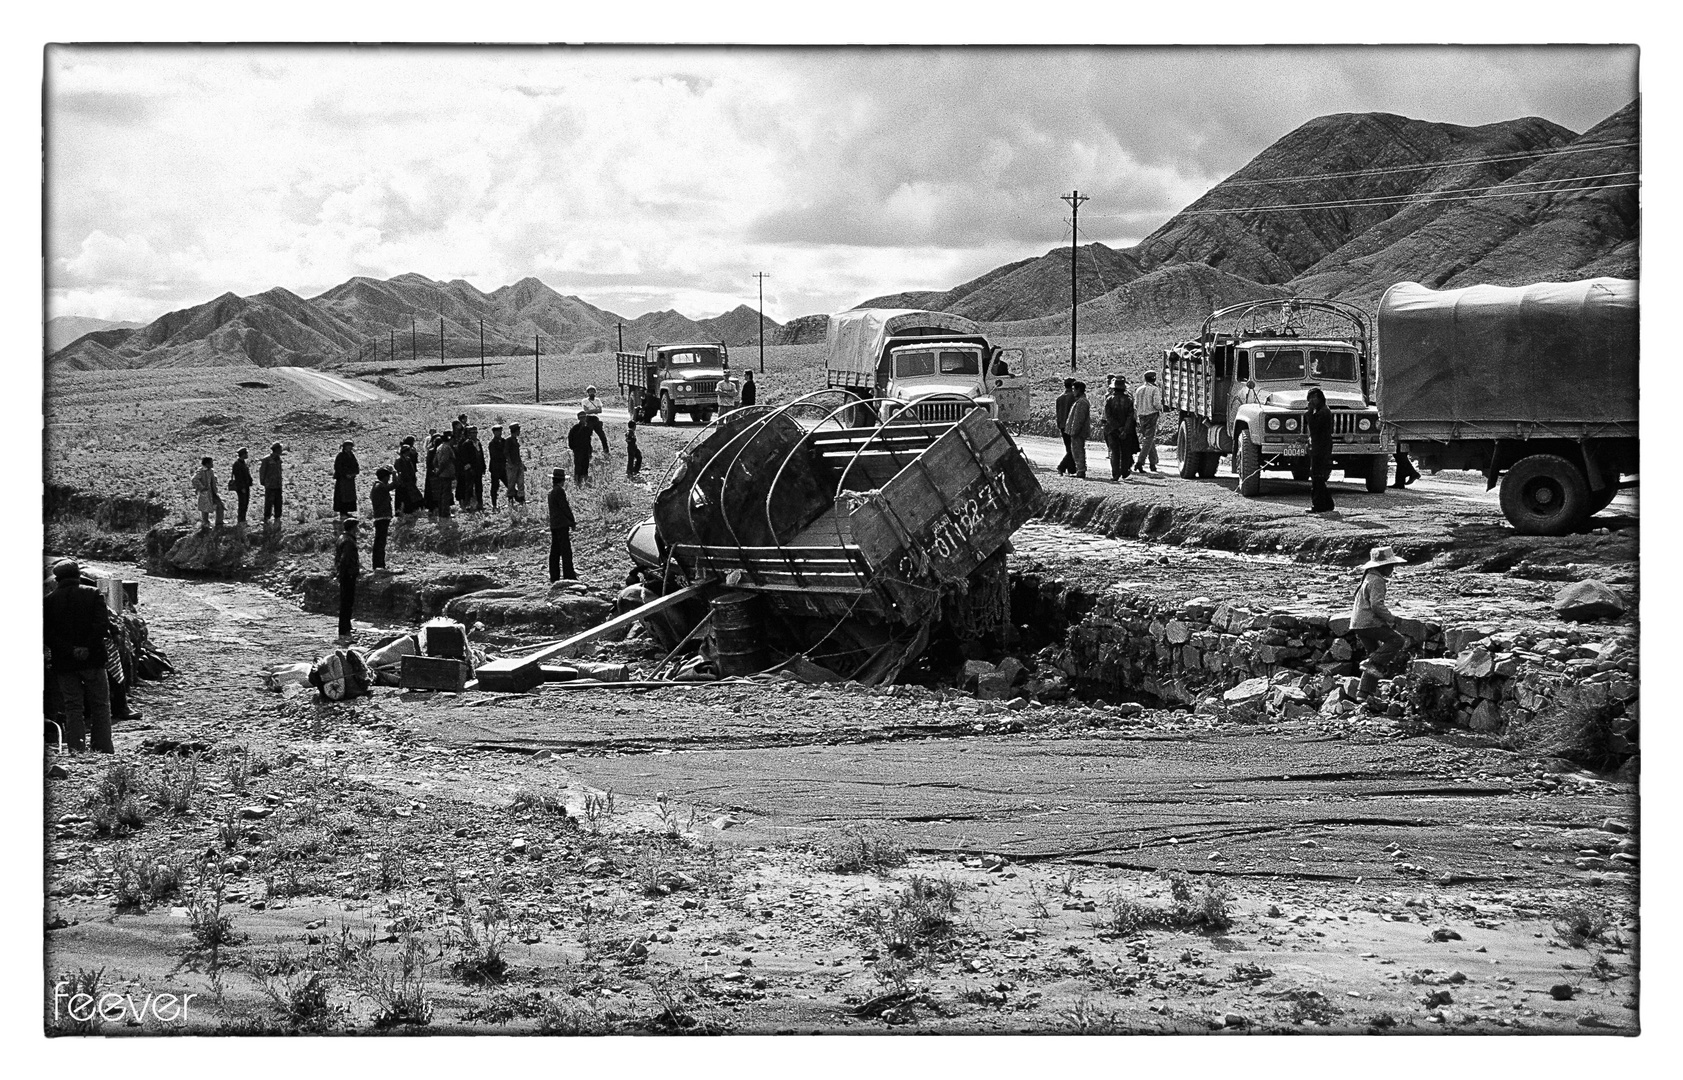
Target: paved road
325 387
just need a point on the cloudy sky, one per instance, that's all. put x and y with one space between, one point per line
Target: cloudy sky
643 179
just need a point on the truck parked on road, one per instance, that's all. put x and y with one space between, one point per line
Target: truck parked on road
924 365
1536 387
1244 391
666 380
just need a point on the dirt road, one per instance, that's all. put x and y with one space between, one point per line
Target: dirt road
1375 883
324 387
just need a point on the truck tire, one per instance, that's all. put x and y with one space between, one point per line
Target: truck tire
1247 462
1191 462
1378 474
1545 495
1208 462
668 411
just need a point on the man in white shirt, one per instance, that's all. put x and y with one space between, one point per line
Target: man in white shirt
1148 402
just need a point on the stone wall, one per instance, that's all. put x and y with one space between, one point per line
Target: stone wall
1216 655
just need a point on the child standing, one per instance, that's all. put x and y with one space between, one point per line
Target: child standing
633 453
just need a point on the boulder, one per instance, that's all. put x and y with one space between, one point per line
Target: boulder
1486 717
1247 691
208 553
1475 663
1013 669
1586 601
993 686
1177 632
973 670
1440 672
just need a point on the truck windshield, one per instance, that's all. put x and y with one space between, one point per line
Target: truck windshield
1278 364
916 363
694 358
1338 366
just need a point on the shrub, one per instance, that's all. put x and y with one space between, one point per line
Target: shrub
1582 734
1201 907
139 879
479 950
1579 923
400 997
857 849
178 785
914 923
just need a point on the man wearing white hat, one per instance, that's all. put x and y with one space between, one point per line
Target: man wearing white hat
1370 619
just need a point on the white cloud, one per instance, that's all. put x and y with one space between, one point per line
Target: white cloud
671 175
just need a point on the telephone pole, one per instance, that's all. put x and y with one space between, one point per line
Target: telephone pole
620 327
1075 199
481 348
762 276
537 377
411 338
391 344
441 341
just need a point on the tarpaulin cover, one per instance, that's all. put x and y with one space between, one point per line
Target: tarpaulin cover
856 338
1548 353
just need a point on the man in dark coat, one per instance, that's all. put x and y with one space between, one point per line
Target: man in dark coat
633 452
269 475
1119 428
345 468
380 501
497 464
408 464
514 465
1065 402
1319 425
77 623
474 460
750 389
561 525
1077 426
347 564
240 483
578 441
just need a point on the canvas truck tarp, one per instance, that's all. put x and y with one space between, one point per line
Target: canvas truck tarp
855 339
1545 354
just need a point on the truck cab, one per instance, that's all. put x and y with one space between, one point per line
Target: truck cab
688 377
1246 393
929 366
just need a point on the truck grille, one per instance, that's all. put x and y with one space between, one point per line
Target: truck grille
702 386
1344 423
937 412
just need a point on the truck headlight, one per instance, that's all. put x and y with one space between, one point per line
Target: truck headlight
1291 423
1273 423
1364 424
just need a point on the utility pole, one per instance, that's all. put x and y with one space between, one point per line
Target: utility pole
621 328
762 277
391 344
411 338
441 341
481 348
1075 199
537 377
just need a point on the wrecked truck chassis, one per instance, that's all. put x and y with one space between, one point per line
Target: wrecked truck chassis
867 538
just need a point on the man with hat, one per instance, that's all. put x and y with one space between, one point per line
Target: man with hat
204 482
470 471
1061 407
348 564
77 624
1148 403
408 463
240 484
444 468
380 502
1077 426
561 523
1370 619
1119 420
514 465
345 468
578 441
269 475
498 462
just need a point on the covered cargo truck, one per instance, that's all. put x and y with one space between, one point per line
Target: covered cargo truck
922 365
1536 387
681 377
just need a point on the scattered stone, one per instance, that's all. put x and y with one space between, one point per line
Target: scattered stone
1587 601
254 813
1562 991
1247 691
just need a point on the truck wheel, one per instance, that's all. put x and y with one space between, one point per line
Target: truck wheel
1191 463
668 411
1545 495
1378 474
1247 462
1208 462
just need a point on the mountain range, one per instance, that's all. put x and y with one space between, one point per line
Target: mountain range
1342 207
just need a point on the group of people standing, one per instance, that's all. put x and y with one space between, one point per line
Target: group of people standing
209 498
1128 423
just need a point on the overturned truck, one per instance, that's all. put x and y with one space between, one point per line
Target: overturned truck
850 548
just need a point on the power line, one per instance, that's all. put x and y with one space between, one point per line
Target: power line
1426 198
